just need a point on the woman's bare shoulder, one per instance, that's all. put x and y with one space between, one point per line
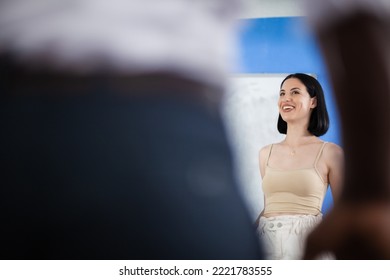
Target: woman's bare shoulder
265 149
333 151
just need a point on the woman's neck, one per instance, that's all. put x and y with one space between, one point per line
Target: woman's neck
298 135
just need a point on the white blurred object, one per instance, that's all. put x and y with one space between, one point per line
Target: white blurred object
190 38
322 13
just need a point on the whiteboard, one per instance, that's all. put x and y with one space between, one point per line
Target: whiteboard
250 114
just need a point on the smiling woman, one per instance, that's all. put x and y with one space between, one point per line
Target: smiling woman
297 171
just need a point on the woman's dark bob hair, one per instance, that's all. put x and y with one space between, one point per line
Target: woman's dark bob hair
319 119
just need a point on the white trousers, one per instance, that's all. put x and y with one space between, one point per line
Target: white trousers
284 237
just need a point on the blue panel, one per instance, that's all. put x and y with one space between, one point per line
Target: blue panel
286 45
272 45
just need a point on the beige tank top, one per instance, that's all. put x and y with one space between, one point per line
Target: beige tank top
299 191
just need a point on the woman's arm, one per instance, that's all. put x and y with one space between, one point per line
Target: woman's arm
334 157
263 155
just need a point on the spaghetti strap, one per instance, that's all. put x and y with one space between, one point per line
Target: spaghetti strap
319 154
269 154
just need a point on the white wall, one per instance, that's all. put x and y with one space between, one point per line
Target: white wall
250 114
271 8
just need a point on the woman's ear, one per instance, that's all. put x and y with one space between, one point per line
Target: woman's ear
313 102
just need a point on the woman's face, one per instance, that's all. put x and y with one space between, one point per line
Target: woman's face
295 102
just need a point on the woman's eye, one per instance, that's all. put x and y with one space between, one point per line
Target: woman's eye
295 92
281 94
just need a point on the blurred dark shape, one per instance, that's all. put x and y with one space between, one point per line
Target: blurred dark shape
356 44
111 153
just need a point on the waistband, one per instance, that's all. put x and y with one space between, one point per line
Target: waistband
294 223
